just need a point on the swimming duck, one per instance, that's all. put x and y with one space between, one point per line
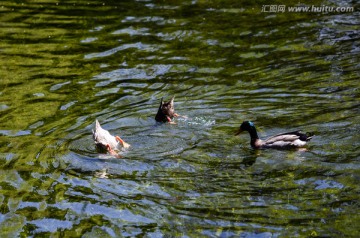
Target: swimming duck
166 111
287 140
104 141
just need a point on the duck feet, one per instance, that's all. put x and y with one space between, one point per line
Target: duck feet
122 142
111 151
177 115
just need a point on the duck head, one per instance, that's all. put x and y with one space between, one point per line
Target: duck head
166 111
249 127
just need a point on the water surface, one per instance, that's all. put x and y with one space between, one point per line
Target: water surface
65 64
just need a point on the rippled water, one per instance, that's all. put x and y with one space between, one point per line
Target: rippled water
65 64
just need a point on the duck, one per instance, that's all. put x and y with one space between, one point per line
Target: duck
288 140
105 142
166 111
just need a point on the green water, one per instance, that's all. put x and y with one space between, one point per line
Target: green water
64 64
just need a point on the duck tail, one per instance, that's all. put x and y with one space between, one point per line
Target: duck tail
94 134
309 135
97 127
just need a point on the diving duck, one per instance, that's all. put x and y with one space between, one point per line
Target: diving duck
105 142
166 111
289 140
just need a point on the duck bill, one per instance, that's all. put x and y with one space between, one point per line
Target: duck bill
238 132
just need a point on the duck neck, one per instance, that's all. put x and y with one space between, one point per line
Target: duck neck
254 136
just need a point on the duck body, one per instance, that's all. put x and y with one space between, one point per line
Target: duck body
105 142
166 111
288 140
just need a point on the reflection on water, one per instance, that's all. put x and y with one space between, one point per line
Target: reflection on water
63 65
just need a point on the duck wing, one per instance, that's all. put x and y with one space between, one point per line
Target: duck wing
288 139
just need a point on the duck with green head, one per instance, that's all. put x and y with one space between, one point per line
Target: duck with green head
288 140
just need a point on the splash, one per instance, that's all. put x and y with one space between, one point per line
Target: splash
198 121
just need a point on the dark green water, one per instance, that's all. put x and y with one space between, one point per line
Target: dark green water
65 63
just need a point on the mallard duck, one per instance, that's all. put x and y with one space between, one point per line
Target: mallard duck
287 140
104 141
166 111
